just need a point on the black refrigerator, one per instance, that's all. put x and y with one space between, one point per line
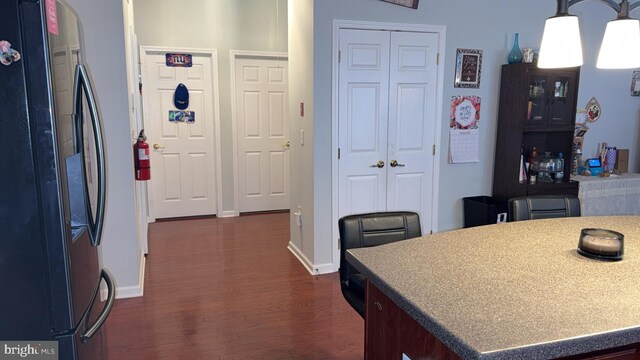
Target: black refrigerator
53 184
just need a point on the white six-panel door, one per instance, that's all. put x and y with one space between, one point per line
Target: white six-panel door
183 179
262 134
412 116
363 112
387 95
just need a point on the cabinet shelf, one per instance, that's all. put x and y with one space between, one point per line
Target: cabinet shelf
531 129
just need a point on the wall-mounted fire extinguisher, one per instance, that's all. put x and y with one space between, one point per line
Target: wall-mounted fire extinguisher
141 158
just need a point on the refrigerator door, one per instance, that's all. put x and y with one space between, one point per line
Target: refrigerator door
81 153
64 169
65 54
49 99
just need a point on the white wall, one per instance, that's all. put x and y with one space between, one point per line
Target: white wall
102 22
135 118
487 25
255 25
301 90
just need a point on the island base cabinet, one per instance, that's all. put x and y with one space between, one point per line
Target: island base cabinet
390 332
630 352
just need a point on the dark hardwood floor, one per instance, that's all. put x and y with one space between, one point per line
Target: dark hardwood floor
229 289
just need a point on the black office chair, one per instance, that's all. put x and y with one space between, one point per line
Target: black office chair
543 207
364 230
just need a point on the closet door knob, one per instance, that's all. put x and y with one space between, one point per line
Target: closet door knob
379 164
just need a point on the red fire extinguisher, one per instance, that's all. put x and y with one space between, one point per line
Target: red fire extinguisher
141 158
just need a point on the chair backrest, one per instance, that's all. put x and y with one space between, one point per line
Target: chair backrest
543 207
371 229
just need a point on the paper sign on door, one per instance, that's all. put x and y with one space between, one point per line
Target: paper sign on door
52 16
182 116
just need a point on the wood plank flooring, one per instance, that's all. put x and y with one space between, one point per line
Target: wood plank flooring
229 289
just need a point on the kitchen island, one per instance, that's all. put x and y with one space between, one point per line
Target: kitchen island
508 291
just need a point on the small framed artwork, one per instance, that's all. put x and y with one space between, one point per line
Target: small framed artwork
468 67
408 3
635 84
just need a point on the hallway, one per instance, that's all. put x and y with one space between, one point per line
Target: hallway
229 289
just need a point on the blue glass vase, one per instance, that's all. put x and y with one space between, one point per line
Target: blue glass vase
515 55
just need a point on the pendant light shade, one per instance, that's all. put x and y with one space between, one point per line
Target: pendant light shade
620 47
561 44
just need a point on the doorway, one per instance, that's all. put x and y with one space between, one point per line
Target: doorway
185 155
261 130
387 102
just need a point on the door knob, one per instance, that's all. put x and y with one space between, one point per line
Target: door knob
394 163
157 146
379 164
286 145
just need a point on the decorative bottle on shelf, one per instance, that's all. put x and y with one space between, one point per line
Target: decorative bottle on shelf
533 166
559 177
515 55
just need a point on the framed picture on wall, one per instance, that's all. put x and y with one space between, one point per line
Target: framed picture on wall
468 67
635 84
408 3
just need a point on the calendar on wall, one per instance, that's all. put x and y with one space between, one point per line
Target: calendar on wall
464 129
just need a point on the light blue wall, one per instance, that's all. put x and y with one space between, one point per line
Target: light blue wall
301 91
488 25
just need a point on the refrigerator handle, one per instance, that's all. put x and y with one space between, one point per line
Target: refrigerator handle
111 298
82 82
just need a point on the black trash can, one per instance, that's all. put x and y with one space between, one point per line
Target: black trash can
483 210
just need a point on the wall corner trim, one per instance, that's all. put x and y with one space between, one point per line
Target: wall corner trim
126 292
229 213
319 269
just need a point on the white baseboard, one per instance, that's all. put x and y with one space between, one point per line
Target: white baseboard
324 269
319 269
126 292
228 213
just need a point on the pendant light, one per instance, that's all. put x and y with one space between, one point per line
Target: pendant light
561 44
620 47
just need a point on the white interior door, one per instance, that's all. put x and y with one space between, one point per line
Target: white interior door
386 114
262 134
363 120
183 178
412 120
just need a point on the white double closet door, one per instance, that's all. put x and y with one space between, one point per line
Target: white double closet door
387 114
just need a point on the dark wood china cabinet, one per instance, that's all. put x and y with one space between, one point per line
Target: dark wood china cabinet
536 111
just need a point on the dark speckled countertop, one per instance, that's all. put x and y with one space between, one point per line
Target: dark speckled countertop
514 291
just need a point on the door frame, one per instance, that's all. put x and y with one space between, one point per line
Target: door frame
233 56
369 25
212 54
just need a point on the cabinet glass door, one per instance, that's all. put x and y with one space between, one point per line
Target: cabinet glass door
537 101
559 112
